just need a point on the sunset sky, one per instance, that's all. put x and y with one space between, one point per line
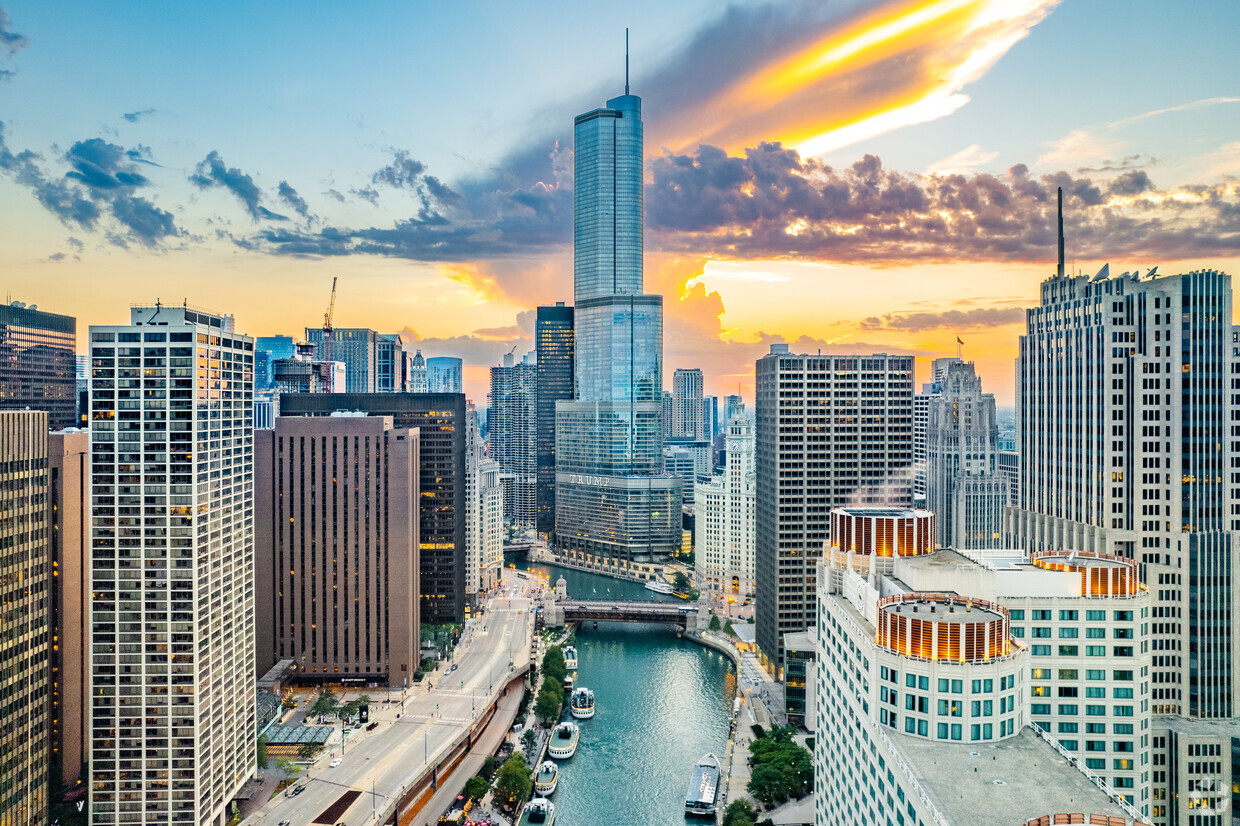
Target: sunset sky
850 176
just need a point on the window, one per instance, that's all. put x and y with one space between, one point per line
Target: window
1068 728
956 731
1069 650
1123 693
1122 728
1123 616
1095 728
1068 633
923 683
910 680
1122 650
1040 691
942 685
1095 745
1041 615
957 686
1070 745
1040 673
1041 632
943 707
942 731
1096 711
1095 651
910 725
922 728
1041 650
1095 616
1067 616
1017 613
1067 710
1122 711
1095 692
1040 708
1095 674
1121 676
1067 691
1095 763
1067 674
1095 633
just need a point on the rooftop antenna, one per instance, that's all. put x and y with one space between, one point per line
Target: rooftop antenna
626 60
1061 232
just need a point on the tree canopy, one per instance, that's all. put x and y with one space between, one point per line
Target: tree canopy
325 704
782 770
476 787
553 663
550 699
714 622
513 783
739 813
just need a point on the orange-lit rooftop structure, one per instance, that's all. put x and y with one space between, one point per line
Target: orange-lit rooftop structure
944 627
882 531
1102 575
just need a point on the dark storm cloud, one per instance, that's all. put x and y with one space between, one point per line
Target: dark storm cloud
290 197
134 117
954 319
212 171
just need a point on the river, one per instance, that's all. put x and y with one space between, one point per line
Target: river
661 703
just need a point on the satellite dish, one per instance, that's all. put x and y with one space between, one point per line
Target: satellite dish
1103 274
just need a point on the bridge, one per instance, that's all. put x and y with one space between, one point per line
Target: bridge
579 610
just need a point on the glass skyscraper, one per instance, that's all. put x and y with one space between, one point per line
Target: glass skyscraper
612 497
553 341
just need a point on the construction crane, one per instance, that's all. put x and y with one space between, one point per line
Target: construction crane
327 339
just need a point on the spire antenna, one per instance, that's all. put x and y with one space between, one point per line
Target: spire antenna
1061 232
626 60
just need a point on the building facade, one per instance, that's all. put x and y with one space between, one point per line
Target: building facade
357 347
337 548
687 385
612 498
830 430
392 365
554 346
171 403
440 418
38 369
512 424
301 373
26 589
267 349
710 418
725 519
445 374
964 485
417 374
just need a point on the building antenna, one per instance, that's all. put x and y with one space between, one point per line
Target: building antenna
626 60
1061 232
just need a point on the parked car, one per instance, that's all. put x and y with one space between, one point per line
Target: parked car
336 762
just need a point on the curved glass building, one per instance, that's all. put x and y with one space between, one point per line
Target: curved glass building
612 498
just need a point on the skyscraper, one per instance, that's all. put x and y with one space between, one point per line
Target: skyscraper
921 419
511 426
417 373
831 430
357 348
391 364
444 374
731 404
964 485
612 498
724 525
554 349
710 417
687 404
37 367
25 644
267 350
171 402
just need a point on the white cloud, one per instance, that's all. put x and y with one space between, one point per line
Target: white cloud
966 160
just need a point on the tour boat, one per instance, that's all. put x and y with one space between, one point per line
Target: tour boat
659 587
546 778
563 743
581 703
538 812
703 787
570 657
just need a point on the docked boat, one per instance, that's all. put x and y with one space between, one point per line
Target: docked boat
546 778
568 684
581 703
570 657
538 812
659 587
563 743
703 787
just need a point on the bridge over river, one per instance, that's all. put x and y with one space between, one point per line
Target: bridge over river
561 611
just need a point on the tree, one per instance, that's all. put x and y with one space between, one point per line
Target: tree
476 787
529 739
325 704
260 752
513 783
488 766
714 622
739 813
728 629
309 751
694 594
680 582
287 767
782 770
550 699
553 663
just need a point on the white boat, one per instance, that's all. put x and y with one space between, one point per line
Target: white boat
563 743
546 778
570 658
703 787
581 703
659 587
538 812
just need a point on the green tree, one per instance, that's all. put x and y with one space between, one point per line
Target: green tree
488 767
476 787
715 625
553 663
309 751
529 739
325 704
694 594
287 767
680 582
260 752
728 629
513 783
550 699
782 770
739 813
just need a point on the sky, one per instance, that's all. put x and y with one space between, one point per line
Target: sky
851 177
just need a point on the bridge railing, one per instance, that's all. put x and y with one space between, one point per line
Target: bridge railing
642 607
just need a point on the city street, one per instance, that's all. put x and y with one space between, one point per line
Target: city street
378 763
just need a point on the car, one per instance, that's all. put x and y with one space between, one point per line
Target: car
298 790
335 763
284 823
453 668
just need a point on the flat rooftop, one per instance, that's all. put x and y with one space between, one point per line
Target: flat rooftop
1023 777
943 612
906 513
1080 561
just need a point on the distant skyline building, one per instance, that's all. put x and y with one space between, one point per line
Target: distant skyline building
964 484
730 405
302 373
357 347
392 364
687 406
668 414
178 450
612 498
921 420
25 588
417 374
268 349
441 484
445 374
554 346
512 420
726 518
38 369
710 417
831 430
338 581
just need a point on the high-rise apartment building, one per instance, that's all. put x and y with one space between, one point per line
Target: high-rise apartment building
391 364
612 498
725 519
337 548
417 374
25 592
554 349
440 418
172 567
964 485
831 430
357 347
512 422
687 404
267 350
445 374
710 417
1125 425
921 420
69 466
37 365
1009 467
490 524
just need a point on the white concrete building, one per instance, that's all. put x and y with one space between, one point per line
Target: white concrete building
172 732
687 387
724 519
491 522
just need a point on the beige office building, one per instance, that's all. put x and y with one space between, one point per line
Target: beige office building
337 548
